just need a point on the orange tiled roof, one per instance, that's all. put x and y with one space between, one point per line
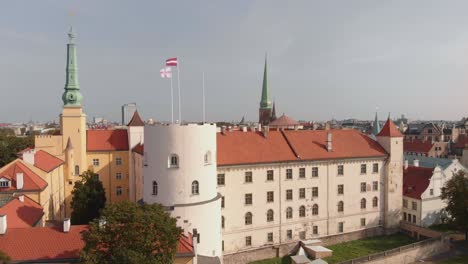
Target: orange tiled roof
22 214
138 149
389 130
107 140
185 245
416 180
31 181
283 121
46 161
136 120
417 145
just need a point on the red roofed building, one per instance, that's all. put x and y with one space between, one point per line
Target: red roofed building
436 149
22 211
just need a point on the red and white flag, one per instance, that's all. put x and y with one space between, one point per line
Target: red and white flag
171 62
166 72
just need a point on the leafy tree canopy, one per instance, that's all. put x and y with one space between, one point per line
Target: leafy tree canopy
10 145
455 194
88 198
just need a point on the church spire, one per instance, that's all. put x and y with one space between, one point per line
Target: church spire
72 96
265 101
376 128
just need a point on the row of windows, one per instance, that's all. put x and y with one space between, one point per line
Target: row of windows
96 162
414 205
248 175
173 161
409 217
195 188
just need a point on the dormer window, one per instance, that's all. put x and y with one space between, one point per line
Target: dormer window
173 161
4 183
207 158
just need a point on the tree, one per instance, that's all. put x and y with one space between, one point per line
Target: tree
131 233
10 145
455 194
88 198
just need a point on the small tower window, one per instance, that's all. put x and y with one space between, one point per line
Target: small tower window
173 161
155 188
195 188
207 158
77 170
222 221
340 206
270 215
248 218
315 209
363 203
302 211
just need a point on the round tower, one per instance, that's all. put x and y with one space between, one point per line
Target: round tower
180 173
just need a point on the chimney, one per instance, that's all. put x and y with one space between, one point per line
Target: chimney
416 163
244 129
406 164
19 180
66 225
3 224
223 130
329 142
28 156
21 198
265 131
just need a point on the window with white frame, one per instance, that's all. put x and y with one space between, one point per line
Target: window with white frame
270 176
375 168
207 158
289 174
173 161
155 188
315 192
95 162
270 197
118 191
195 188
315 209
302 193
248 177
248 199
289 195
221 179
302 211
270 215
363 168
340 170
375 186
302 173
118 175
315 172
118 161
289 213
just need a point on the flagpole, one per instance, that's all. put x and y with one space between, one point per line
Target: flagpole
178 84
203 93
172 102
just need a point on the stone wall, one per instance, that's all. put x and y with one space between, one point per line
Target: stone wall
418 232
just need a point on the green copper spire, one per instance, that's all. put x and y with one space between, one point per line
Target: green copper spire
265 102
72 95
376 129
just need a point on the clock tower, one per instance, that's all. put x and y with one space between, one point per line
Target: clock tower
73 119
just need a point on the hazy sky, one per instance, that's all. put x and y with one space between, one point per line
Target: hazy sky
326 58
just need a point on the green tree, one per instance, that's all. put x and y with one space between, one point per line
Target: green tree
455 194
131 233
10 145
88 198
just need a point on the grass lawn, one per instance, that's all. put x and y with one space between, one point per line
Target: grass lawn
354 249
456 260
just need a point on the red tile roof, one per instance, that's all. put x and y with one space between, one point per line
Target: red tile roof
238 147
462 142
389 130
416 180
136 120
45 161
139 149
31 181
107 140
22 214
42 243
185 245
417 145
283 121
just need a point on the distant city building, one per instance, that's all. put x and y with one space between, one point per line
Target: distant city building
127 112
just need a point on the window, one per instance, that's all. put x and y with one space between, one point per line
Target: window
270 197
221 179
270 237
315 230
222 202
340 170
340 206
302 235
431 191
248 176
302 211
405 203
248 241
375 168
340 189
270 175
289 213
195 188
301 193
95 162
248 218
207 158
314 171
289 195
301 172
375 202
363 169
363 222
118 175
414 218
363 203
118 191
4 184
340 227
363 187
414 206
404 216
375 186
314 192
289 234
289 174
173 161
77 170
248 199
270 215
222 221
315 209
118 161
155 188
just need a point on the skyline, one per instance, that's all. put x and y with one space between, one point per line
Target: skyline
356 57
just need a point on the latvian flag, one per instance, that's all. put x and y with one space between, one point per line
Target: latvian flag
171 62
166 72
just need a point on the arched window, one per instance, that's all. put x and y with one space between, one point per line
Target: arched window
270 216
77 170
207 158
248 218
155 188
363 203
340 206
315 209
173 161
222 221
289 213
302 211
195 188
375 202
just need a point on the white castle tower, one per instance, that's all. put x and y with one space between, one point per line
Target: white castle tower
180 173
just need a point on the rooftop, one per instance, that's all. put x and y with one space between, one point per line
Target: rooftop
106 140
22 214
31 181
415 181
429 162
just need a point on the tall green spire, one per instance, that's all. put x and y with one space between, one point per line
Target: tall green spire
376 128
265 102
72 96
